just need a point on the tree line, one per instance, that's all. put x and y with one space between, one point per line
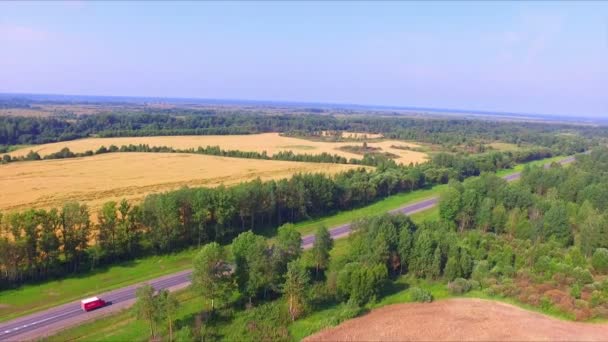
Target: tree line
32 130
368 159
541 241
38 244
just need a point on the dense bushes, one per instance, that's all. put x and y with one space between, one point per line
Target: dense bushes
420 295
600 260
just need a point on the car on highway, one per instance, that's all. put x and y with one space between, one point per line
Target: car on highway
92 303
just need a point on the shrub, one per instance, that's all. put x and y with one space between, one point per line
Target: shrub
575 291
481 270
459 286
420 295
600 260
582 276
348 310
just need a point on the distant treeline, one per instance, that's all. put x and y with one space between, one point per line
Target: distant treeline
370 159
39 244
28 130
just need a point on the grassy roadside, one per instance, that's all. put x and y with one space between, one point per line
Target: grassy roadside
520 167
381 206
31 298
123 326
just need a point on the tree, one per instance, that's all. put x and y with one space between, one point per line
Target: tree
435 270
361 283
107 235
321 247
484 214
75 229
287 248
145 307
406 247
499 218
449 204
452 266
254 269
600 260
592 233
167 307
295 288
556 224
212 275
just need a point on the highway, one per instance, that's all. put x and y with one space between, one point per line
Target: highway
46 322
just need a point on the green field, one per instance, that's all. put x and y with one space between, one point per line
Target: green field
31 298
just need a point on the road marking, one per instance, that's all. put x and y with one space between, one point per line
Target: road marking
38 322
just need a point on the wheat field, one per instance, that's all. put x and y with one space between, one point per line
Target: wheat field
101 178
269 142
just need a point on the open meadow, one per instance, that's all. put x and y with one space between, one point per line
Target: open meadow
270 142
98 179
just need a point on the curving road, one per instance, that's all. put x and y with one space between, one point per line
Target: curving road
49 321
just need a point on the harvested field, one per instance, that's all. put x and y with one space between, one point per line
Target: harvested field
98 179
460 320
270 142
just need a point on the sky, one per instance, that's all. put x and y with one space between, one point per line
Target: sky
526 57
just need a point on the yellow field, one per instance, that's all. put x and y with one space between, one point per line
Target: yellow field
269 142
98 179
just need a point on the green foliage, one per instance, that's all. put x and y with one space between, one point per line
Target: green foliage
420 295
459 286
450 204
296 288
600 260
361 283
146 306
212 274
267 322
321 247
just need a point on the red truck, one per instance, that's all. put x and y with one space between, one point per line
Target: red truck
92 303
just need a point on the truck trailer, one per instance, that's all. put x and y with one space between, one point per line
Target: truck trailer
91 303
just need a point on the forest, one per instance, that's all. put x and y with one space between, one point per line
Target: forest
541 242
34 130
38 244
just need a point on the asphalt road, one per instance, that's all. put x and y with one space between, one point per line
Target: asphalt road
67 315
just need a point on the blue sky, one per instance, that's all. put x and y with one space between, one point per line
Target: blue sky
531 57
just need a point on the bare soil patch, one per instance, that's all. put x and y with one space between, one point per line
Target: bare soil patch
460 320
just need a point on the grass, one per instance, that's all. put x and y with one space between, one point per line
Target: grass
30 298
124 327
389 203
520 167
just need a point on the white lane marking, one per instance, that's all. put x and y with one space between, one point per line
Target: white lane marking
38 322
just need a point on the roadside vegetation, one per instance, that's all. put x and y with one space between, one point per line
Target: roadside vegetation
37 296
539 243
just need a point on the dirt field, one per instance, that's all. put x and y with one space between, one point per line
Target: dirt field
460 320
269 142
95 180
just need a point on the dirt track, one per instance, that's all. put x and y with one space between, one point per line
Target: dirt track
458 320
